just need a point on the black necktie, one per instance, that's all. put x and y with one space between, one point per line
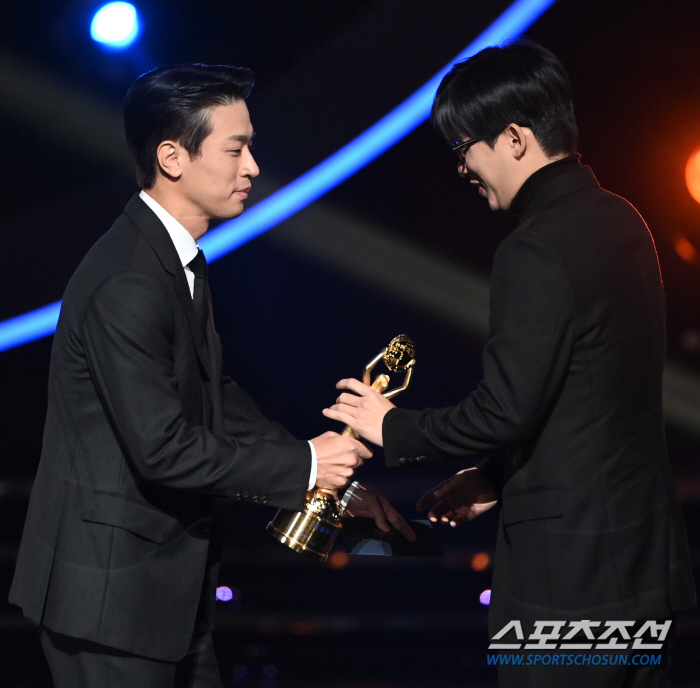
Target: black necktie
198 265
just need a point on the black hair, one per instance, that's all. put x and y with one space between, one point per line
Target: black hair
521 83
172 103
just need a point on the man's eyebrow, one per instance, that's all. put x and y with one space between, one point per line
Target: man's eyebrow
240 137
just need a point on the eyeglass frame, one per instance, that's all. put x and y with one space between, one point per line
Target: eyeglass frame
458 146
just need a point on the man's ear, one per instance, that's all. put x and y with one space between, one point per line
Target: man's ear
517 140
169 155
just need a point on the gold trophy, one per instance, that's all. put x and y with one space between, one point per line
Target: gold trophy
314 530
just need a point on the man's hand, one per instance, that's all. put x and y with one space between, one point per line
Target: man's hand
463 497
367 503
363 411
337 457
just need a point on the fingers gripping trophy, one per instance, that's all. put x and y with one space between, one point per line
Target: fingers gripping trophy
314 530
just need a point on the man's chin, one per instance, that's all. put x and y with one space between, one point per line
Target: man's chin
497 206
225 216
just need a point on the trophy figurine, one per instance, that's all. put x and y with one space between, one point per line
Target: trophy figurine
314 530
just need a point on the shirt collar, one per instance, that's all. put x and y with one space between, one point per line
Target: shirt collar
184 242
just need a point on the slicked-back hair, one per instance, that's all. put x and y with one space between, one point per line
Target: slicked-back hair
172 104
521 83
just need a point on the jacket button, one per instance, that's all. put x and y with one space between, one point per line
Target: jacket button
402 460
264 500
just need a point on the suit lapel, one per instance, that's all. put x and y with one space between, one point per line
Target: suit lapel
159 239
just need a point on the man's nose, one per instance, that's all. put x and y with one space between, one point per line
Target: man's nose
251 168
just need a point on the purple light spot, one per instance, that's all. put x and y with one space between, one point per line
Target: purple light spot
485 597
224 594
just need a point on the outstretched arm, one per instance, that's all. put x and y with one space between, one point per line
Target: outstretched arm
462 498
525 361
127 335
368 503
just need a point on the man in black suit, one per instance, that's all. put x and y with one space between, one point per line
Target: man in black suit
569 408
119 557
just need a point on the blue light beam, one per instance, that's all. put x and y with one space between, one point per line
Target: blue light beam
365 148
30 326
317 181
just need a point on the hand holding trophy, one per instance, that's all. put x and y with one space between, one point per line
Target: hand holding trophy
314 530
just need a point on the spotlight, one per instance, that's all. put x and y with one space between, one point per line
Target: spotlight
692 175
115 25
224 594
683 247
485 597
481 561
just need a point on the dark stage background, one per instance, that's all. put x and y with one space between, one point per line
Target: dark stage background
316 297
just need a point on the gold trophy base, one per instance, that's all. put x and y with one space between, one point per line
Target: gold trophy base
313 531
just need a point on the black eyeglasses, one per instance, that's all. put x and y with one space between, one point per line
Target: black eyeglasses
460 148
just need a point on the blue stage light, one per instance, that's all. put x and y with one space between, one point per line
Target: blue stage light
30 326
115 25
317 181
365 148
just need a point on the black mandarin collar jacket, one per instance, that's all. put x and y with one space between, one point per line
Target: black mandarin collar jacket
569 413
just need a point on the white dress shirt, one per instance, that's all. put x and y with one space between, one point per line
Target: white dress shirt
187 248
184 242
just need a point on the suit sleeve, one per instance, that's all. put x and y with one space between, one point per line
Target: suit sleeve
525 363
128 333
243 420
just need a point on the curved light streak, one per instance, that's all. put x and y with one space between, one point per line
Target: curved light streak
30 326
319 180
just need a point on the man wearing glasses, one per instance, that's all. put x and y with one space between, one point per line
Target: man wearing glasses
569 412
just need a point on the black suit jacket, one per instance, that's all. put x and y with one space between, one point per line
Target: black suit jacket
142 434
570 409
